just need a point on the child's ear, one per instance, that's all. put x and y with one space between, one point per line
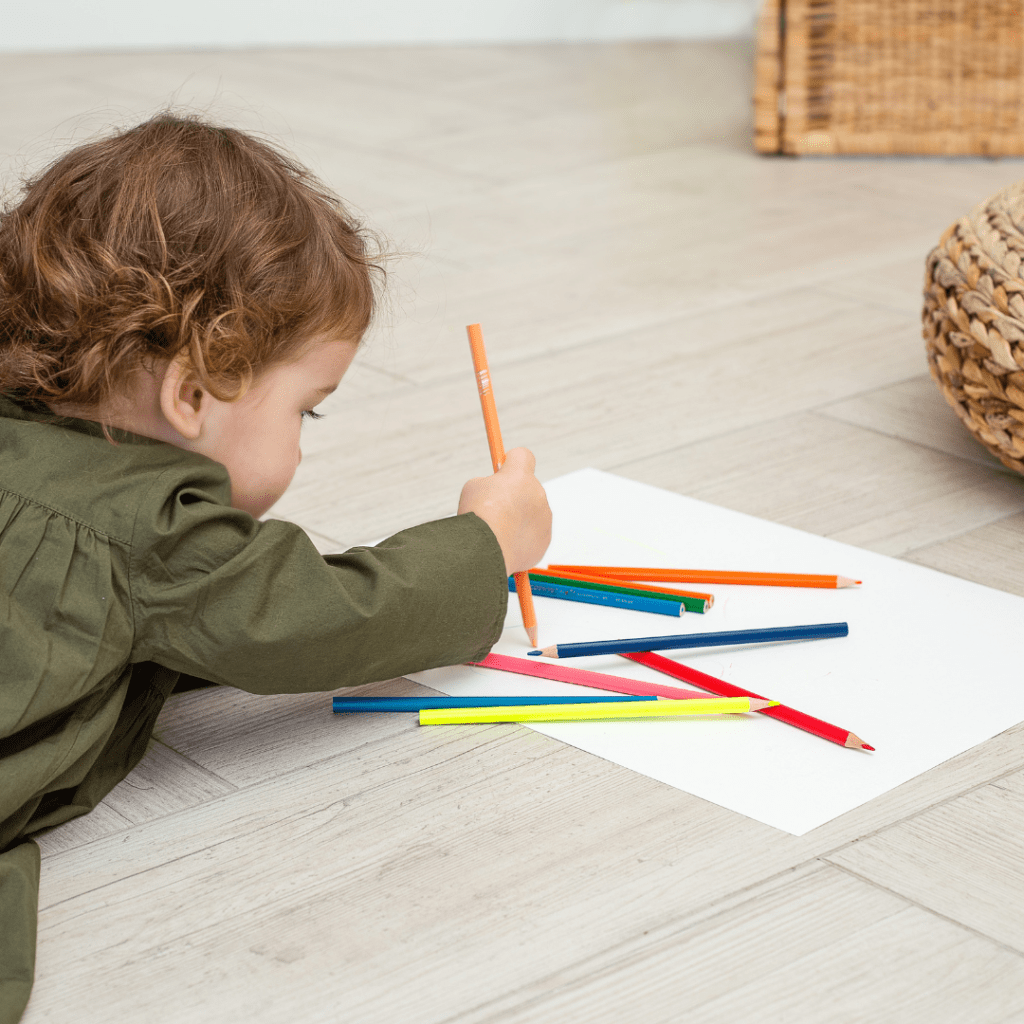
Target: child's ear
183 400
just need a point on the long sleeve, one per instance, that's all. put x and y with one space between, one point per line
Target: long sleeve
252 604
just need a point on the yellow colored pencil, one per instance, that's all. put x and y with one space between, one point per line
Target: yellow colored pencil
591 712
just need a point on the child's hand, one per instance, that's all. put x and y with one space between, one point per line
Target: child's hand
513 504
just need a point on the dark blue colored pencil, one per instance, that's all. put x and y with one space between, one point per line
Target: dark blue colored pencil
361 704
774 634
605 597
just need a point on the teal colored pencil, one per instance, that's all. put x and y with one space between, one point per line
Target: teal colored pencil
691 604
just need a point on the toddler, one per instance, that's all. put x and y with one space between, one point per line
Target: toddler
174 300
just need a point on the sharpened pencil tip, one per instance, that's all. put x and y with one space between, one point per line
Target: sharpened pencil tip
534 654
531 635
845 581
759 703
853 740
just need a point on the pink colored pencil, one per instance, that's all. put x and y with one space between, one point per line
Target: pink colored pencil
583 677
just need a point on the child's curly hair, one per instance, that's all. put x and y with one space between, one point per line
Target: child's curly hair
173 237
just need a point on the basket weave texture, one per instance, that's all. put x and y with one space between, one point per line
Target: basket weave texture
890 76
974 322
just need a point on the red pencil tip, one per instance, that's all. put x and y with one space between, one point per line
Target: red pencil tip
867 746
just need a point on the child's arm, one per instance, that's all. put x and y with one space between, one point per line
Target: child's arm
221 596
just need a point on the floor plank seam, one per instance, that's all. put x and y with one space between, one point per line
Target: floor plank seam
925 809
196 851
906 556
877 304
867 392
254 787
1002 471
606 958
46 907
623 467
738 894
1019 954
502 734
624 333
202 769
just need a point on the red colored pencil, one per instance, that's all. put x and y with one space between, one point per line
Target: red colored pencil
750 579
721 688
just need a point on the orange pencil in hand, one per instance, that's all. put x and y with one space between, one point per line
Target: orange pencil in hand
490 411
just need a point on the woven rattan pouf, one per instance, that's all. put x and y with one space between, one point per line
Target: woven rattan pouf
974 322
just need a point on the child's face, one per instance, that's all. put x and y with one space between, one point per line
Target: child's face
257 437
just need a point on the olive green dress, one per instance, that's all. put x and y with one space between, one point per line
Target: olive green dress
124 567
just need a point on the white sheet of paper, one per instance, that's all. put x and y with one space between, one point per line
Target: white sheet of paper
931 667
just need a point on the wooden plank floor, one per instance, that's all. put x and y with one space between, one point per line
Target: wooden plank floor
740 329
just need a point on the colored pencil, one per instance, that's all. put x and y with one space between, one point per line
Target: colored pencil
494 442
712 684
584 677
563 591
592 712
359 705
773 634
691 601
750 579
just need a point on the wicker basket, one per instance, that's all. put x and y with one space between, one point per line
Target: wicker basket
974 322
890 76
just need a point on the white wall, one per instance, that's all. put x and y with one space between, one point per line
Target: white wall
158 24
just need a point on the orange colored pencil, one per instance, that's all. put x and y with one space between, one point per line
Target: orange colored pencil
708 599
490 411
750 579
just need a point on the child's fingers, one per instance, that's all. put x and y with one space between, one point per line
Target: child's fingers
521 459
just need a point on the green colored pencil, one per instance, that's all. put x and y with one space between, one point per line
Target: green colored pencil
691 604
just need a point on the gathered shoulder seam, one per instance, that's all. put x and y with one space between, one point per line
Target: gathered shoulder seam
131 544
65 515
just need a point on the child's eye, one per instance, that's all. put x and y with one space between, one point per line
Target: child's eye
312 415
